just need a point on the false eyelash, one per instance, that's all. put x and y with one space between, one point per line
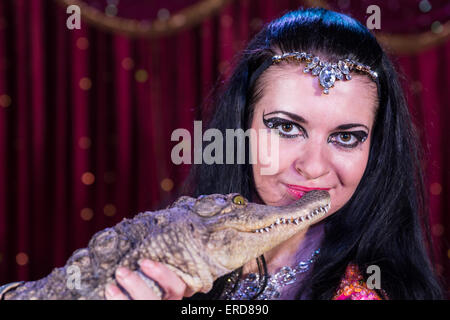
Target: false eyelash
276 122
360 136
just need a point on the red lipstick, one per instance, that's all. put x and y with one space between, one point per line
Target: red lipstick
304 189
299 191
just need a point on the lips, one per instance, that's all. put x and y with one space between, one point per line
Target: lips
299 191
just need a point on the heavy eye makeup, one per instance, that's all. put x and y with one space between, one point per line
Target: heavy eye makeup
348 139
286 128
290 129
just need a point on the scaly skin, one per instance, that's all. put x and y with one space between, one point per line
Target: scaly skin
199 239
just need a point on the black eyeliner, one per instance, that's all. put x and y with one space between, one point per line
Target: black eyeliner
276 122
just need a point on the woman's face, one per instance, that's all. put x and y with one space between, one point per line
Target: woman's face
324 139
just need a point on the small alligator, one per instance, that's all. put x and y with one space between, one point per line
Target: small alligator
200 239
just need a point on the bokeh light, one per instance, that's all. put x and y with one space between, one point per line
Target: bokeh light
167 184
109 210
22 259
86 214
5 101
435 188
85 83
141 75
88 178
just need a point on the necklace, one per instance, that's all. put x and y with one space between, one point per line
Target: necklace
248 287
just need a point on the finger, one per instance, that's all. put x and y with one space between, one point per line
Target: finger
112 292
135 285
172 284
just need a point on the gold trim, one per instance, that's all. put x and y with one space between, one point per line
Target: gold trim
185 18
413 43
398 43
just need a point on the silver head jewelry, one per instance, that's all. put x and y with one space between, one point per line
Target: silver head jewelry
327 72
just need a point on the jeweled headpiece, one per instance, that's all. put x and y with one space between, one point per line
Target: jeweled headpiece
327 72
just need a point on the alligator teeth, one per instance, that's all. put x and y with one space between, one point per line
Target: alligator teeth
296 221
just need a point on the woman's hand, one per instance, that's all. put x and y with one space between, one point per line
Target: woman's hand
174 287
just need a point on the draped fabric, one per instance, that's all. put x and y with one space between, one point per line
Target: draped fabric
86 118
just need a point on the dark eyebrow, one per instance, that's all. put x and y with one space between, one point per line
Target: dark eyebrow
290 115
350 125
300 119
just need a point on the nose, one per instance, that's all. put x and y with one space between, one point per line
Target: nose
312 161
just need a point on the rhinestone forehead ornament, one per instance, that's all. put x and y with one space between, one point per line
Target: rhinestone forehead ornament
327 72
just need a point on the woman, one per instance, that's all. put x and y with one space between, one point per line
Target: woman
353 137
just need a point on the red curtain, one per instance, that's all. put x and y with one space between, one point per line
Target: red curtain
86 118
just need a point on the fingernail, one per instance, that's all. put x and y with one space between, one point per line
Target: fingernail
111 290
146 263
123 272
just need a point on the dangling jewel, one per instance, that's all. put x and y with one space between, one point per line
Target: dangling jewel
327 78
247 288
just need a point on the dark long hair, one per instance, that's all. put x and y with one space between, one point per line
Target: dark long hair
385 221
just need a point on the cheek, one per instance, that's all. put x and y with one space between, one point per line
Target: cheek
349 170
268 166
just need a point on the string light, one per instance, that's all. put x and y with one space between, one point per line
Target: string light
88 178
127 63
82 43
22 259
86 214
5 101
84 143
435 188
167 184
141 75
85 83
109 210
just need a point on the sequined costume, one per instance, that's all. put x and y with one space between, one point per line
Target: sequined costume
353 287
284 283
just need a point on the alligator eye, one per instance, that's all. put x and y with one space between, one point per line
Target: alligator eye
239 200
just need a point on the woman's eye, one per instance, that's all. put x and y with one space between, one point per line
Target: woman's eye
288 129
285 128
348 139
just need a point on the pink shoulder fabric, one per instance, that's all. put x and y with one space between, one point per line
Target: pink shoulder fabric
353 287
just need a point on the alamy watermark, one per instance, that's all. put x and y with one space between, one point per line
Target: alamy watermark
374 280
74 20
374 20
73 278
264 147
